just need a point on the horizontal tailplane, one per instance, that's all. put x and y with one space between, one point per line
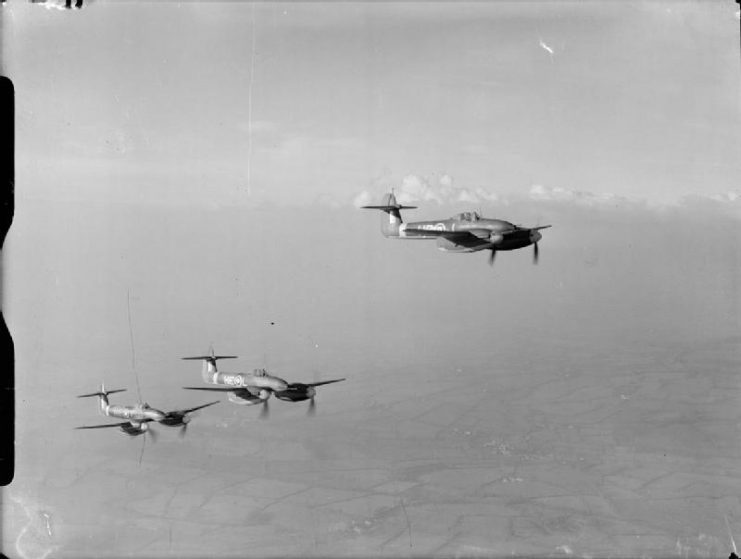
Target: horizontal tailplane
209 363
102 393
208 357
390 225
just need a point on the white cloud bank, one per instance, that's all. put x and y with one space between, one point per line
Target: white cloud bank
727 202
559 194
363 199
416 189
729 197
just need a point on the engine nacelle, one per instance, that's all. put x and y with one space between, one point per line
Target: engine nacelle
449 246
496 238
296 392
134 430
246 398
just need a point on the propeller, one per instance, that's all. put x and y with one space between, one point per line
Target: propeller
311 412
535 253
265 411
152 433
183 428
492 256
141 452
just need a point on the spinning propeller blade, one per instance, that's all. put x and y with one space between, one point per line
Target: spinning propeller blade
185 420
492 256
265 411
141 452
535 253
144 441
311 412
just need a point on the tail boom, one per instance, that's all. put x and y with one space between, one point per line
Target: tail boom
209 368
390 225
102 394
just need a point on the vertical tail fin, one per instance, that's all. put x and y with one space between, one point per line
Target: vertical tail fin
209 363
103 401
390 225
102 394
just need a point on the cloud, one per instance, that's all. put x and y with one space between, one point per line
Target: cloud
364 198
539 192
446 181
728 203
418 190
415 188
327 200
732 197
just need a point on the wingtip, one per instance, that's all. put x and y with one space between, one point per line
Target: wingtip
327 382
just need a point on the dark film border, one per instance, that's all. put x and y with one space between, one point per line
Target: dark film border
7 354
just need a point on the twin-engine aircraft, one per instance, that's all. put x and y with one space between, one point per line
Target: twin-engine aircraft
139 416
256 387
464 232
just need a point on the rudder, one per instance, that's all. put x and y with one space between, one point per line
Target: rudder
209 363
389 205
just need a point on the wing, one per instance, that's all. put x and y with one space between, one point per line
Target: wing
212 389
190 410
470 238
236 389
453 235
104 426
324 382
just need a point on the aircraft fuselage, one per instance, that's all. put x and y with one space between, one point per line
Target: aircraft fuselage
242 380
463 232
454 235
135 414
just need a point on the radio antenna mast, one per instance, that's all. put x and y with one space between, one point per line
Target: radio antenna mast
133 350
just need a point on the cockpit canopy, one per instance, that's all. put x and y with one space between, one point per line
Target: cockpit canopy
467 216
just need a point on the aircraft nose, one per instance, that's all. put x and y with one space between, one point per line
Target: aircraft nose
156 415
535 236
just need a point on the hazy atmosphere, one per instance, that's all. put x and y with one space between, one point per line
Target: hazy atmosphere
206 163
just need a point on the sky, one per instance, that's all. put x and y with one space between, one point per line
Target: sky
201 165
318 101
